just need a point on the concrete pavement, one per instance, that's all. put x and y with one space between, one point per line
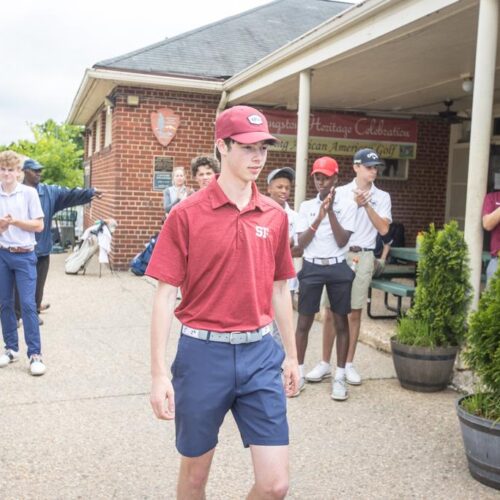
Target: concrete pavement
85 429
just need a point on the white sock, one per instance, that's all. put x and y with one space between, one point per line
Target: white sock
324 363
348 365
339 373
301 371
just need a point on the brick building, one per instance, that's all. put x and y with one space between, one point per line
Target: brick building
199 73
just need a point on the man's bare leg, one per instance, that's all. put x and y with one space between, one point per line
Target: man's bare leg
270 465
304 324
193 476
342 328
354 327
328 334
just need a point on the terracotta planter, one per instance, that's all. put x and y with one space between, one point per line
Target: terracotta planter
482 446
423 369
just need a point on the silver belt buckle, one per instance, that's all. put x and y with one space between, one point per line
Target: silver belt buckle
238 338
325 262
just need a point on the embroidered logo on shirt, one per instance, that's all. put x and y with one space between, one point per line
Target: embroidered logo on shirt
261 232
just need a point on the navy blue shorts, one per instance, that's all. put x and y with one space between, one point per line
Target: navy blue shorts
211 378
337 279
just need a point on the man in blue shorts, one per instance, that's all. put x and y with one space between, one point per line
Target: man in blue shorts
227 247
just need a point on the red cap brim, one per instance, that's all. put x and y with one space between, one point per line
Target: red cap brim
328 173
253 137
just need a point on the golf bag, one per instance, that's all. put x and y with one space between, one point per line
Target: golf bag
140 262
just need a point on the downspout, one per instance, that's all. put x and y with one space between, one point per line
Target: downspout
222 103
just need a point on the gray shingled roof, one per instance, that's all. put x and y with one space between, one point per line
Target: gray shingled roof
222 49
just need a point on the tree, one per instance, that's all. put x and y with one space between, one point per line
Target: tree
59 148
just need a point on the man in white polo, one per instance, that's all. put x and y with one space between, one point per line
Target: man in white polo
373 216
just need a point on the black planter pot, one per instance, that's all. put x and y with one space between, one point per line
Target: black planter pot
482 446
423 369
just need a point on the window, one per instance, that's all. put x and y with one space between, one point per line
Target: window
97 129
394 170
108 126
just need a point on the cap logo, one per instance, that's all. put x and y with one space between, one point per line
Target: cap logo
372 155
255 120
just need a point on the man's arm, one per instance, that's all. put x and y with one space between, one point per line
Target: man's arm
282 305
66 197
305 237
381 224
491 220
32 226
162 392
339 233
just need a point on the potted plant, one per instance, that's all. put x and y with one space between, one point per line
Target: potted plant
479 413
428 337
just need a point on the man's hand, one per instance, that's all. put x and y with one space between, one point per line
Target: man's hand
97 194
162 398
4 224
327 204
361 197
290 376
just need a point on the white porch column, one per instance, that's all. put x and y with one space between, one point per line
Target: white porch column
304 110
480 137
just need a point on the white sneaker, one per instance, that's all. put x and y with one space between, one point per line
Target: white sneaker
37 367
321 371
302 386
339 390
352 376
9 356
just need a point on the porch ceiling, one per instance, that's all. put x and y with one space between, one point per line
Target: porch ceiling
409 70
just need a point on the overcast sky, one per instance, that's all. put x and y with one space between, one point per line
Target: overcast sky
45 47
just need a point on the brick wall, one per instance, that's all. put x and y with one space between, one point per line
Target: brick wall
124 170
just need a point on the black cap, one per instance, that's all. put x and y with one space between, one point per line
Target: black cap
287 172
31 164
368 157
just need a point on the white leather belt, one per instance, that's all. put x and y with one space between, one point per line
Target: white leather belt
325 262
227 337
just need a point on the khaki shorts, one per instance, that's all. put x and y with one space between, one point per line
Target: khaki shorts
361 284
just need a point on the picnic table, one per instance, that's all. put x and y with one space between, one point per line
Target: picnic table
385 282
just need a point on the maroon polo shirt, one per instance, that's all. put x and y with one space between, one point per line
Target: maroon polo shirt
490 204
225 260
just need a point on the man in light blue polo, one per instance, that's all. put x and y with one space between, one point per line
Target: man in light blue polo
21 216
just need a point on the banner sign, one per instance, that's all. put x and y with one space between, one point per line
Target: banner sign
337 134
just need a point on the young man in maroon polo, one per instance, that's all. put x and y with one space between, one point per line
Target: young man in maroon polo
227 247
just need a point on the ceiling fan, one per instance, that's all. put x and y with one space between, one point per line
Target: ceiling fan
450 115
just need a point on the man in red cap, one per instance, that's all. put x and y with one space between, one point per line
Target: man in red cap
324 227
373 217
227 247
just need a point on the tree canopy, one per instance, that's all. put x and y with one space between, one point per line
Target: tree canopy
59 148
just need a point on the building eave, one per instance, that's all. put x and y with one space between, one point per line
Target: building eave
97 83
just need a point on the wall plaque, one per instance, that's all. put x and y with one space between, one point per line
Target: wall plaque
162 172
165 123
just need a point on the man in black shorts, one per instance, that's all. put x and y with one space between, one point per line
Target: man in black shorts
324 227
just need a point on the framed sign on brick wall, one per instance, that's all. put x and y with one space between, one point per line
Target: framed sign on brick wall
162 172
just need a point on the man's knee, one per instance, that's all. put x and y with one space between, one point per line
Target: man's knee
194 472
273 488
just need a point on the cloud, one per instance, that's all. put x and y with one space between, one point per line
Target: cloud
46 47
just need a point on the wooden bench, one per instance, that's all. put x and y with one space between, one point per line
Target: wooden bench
399 290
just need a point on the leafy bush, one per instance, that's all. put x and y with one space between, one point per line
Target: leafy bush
438 316
483 351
